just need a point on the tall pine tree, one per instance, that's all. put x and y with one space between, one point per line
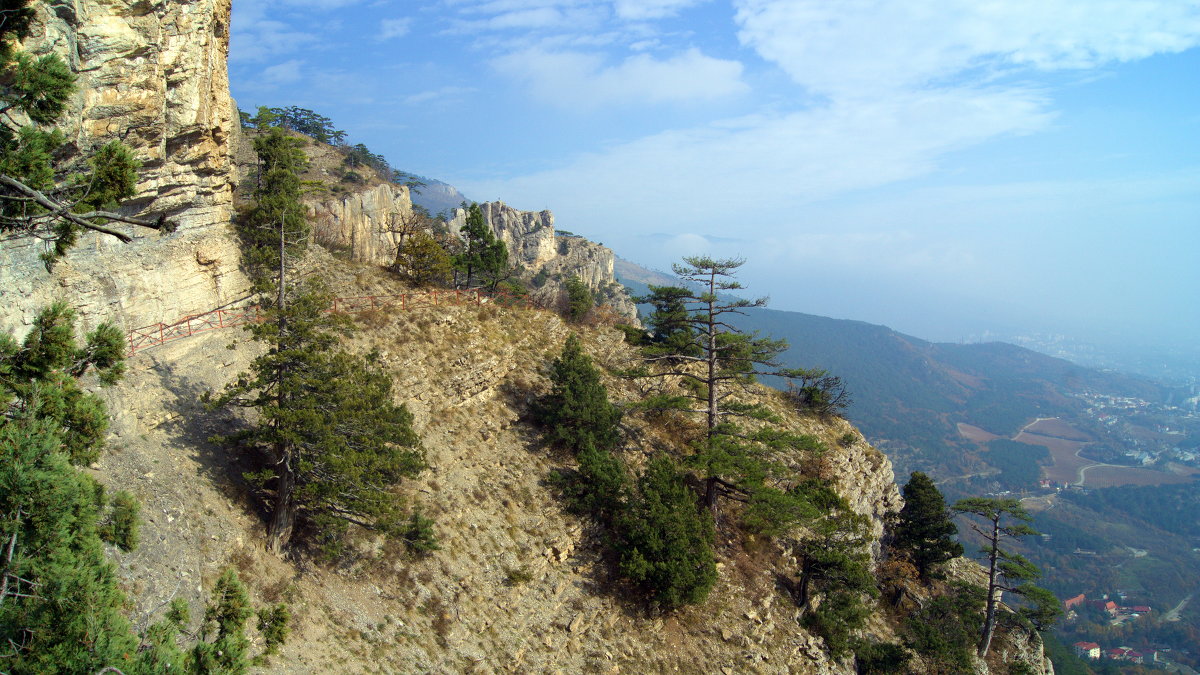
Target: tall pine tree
924 529
330 438
576 412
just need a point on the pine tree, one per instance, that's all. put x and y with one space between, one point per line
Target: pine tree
576 412
331 440
42 194
665 539
1007 571
925 530
484 259
41 373
61 607
835 563
579 299
694 340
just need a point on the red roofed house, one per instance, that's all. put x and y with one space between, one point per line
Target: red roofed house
1117 653
1087 650
1073 602
1136 657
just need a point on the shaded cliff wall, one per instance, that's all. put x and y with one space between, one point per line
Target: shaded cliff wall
154 75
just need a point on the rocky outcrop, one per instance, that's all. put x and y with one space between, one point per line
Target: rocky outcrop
153 74
552 258
360 222
529 235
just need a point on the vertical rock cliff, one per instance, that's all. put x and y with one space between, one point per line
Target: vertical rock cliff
533 243
153 74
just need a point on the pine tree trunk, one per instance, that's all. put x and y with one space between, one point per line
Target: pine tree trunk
989 621
710 495
283 518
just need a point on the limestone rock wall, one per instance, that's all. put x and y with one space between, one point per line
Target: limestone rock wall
152 73
357 222
529 235
533 243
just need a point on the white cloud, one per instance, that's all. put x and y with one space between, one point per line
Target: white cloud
394 28
574 80
433 95
880 45
769 162
637 10
282 73
256 41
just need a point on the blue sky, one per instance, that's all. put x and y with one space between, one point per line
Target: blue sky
944 168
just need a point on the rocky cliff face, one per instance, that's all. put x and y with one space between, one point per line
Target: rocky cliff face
533 243
358 222
529 235
152 73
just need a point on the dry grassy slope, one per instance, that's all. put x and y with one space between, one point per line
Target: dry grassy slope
519 585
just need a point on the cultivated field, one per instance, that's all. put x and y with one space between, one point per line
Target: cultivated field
975 434
1056 428
1106 475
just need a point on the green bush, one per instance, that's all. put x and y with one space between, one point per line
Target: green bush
580 299
418 534
124 521
665 539
880 658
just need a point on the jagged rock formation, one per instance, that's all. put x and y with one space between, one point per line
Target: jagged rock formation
358 222
529 235
153 74
533 243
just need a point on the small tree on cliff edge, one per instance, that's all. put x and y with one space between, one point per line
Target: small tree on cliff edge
925 530
1007 571
484 259
40 195
695 341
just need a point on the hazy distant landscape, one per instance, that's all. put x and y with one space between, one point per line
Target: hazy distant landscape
1108 461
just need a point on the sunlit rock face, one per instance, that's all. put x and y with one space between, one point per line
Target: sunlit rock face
533 243
362 222
152 74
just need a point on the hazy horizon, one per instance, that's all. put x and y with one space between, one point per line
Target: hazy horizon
949 170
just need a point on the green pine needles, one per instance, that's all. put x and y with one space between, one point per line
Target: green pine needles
924 530
61 607
577 413
330 440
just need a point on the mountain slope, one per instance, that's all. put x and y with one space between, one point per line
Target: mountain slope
909 394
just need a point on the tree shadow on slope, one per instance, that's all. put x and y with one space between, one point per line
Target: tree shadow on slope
192 426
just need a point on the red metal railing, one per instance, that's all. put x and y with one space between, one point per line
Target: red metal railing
160 333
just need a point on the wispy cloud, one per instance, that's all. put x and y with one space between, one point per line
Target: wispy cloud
574 79
394 28
651 9
282 73
439 94
879 45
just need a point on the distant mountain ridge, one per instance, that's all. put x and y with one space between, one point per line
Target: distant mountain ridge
437 196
